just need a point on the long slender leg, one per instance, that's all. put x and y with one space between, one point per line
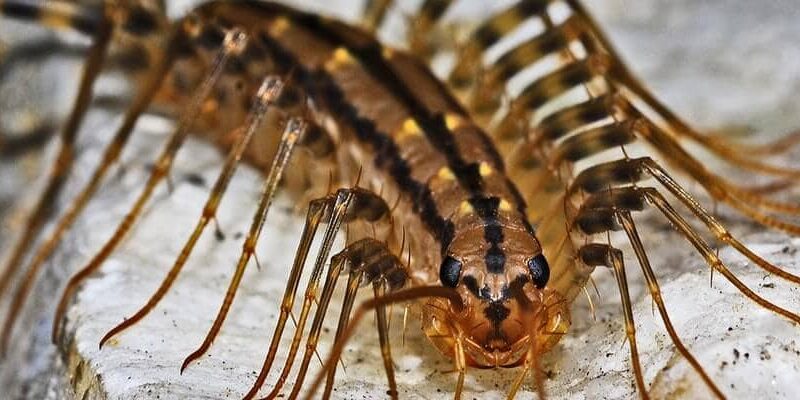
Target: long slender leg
59 172
716 228
233 43
294 130
632 170
379 289
602 210
711 257
353 283
680 128
267 94
111 154
317 210
616 263
334 209
374 13
340 203
655 293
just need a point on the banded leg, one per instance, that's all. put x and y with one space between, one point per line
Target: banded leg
267 94
110 156
233 43
21 144
62 165
274 175
343 206
613 259
599 215
740 157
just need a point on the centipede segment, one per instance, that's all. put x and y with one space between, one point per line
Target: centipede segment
491 216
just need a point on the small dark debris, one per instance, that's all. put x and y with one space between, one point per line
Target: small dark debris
767 285
195 179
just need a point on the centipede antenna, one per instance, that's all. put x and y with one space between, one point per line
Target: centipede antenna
269 91
655 292
234 40
368 305
58 176
295 128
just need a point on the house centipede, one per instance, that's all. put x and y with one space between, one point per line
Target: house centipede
494 235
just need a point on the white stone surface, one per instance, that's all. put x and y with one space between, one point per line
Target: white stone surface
718 63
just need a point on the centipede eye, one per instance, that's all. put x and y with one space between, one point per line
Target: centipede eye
539 270
450 271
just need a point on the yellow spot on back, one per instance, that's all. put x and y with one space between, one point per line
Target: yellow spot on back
504 206
341 56
485 169
280 26
388 53
453 121
409 128
446 173
465 208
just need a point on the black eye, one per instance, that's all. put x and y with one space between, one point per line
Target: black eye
539 270
450 271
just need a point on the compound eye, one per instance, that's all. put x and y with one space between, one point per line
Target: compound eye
539 270
450 271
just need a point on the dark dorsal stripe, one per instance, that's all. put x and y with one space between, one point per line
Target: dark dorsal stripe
487 207
387 155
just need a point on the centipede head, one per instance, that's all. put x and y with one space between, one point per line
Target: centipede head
509 313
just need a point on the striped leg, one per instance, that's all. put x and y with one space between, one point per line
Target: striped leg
342 207
274 175
607 209
61 167
268 93
233 43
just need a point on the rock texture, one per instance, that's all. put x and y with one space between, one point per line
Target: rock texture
721 64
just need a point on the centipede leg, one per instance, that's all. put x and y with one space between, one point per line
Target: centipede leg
741 158
598 212
110 156
293 131
353 283
716 228
267 94
234 41
374 13
21 144
337 208
616 263
58 174
655 293
711 257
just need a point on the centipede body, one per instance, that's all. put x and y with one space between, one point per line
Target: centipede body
168 261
